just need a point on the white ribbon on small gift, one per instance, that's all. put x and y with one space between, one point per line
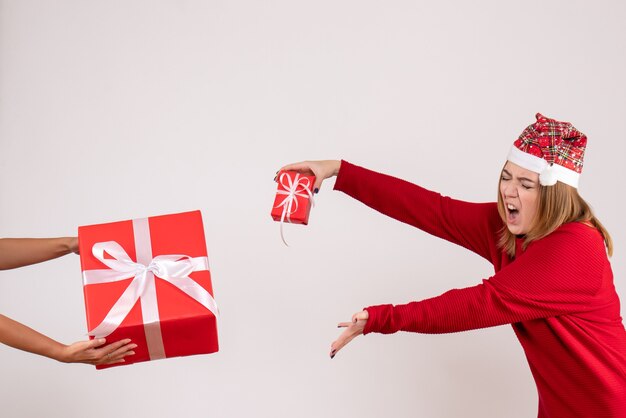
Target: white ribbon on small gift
174 269
299 186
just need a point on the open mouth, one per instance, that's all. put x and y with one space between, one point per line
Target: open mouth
512 211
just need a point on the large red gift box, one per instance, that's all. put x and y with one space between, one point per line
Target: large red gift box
294 198
149 280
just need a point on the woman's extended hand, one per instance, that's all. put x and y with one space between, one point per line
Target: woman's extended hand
320 169
352 329
95 352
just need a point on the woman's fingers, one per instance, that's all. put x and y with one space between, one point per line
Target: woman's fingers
308 168
343 339
322 170
115 346
115 352
303 167
352 329
95 352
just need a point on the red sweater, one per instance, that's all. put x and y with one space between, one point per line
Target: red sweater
558 295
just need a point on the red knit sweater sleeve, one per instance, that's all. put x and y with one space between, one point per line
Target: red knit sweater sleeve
472 225
559 274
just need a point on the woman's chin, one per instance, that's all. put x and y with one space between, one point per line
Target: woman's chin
515 229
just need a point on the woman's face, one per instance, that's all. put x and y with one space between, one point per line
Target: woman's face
520 193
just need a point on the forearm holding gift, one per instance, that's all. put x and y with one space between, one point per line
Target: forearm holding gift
20 252
19 336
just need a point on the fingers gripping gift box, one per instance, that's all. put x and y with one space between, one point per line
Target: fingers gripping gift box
149 280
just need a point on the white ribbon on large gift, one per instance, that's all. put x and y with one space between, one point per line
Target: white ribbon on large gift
299 186
174 269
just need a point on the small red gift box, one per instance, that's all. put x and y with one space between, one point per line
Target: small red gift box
294 198
149 280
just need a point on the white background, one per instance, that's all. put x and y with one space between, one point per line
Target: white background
123 109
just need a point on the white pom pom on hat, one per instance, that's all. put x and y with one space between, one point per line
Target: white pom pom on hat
548 177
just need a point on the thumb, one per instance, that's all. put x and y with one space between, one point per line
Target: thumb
360 316
318 184
97 342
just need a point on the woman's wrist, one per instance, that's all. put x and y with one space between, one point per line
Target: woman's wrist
336 167
69 245
58 352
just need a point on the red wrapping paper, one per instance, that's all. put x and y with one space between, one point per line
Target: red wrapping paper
298 213
187 327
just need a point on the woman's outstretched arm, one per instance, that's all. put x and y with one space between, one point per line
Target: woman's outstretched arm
19 252
474 226
19 336
558 275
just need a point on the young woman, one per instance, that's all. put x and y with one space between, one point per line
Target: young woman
553 280
18 252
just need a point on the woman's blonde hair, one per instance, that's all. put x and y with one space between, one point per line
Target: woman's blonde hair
558 205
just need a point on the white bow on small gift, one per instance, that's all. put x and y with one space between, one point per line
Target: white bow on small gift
292 189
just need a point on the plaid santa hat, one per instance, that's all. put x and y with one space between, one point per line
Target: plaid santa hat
552 149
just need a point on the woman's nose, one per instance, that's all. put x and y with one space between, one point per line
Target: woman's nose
510 191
